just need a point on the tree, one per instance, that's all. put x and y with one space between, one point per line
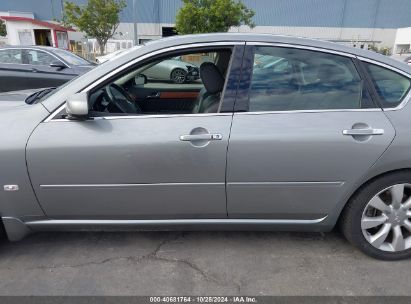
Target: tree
385 50
3 31
97 19
210 16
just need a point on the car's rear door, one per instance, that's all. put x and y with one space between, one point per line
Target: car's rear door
301 138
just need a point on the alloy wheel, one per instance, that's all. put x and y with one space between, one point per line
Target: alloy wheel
178 76
385 222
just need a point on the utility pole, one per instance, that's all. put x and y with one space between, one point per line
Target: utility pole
135 22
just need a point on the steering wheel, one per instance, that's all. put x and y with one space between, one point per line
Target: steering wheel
125 104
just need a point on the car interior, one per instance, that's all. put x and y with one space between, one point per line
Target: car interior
137 93
293 80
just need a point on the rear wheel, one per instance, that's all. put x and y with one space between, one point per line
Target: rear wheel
378 218
178 76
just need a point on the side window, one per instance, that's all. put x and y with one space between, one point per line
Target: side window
186 83
287 79
39 58
391 86
10 56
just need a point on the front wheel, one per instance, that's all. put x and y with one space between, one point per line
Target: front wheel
178 76
378 218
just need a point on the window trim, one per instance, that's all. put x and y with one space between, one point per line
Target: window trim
237 49
242 103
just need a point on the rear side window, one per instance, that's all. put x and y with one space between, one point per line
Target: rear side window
286 79
391 86
10 56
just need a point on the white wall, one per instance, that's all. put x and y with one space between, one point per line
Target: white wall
13 29
403 40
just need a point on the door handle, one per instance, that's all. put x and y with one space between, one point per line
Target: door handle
194 137
363 132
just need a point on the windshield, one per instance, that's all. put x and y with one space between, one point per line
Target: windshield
71 58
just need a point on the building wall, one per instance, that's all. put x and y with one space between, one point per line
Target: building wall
290 13
13 29
403 40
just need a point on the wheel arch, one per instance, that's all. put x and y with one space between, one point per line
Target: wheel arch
366 182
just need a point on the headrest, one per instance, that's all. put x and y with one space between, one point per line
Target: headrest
212 78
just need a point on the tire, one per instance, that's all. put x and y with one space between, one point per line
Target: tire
178 76
360 215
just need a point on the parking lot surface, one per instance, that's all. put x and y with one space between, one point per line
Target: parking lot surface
195 263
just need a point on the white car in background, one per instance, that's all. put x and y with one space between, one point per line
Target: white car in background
175 70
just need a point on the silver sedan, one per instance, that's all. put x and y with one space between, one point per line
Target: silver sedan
321 140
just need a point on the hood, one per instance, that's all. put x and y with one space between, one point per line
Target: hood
16 98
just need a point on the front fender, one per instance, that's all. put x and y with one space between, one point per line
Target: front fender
17 123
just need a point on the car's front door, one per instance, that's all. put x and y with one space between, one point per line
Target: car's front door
164 166
305 136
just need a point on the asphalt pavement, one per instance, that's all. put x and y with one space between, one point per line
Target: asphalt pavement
195 263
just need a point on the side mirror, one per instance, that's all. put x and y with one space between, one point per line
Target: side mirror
77 106
140 80
58 64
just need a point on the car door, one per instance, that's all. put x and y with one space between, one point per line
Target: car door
301 138
12 70
134 167
40 73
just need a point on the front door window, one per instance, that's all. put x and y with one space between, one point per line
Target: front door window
186 83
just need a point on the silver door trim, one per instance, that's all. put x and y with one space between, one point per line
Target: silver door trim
308 111
53 186
40 223
337 183
143 116
144 57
